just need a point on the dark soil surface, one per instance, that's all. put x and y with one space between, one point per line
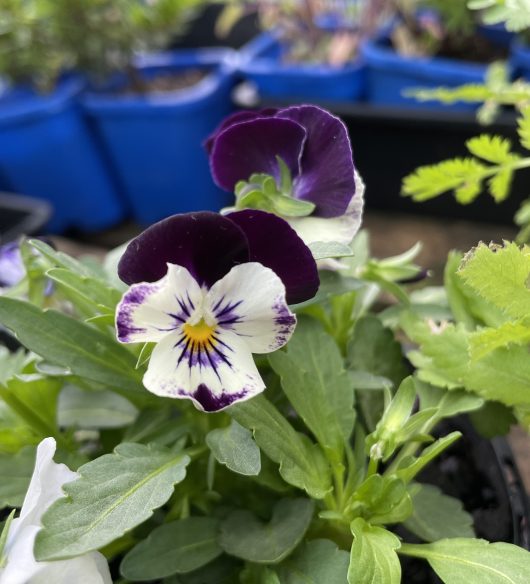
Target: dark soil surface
165 83
475 49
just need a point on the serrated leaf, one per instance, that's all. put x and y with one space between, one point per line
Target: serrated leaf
244 536
94 409
523 127
178 547
493 149
316 562
474 561
87 352
437 516
317 385
373 558
16 471
500 275
113 494
486 340
499 185
302 463
329 249
235 448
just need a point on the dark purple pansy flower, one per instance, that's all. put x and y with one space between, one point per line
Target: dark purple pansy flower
313 146
211 290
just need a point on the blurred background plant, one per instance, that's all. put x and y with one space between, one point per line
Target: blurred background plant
40 39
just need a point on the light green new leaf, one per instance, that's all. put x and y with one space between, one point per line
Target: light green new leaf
329 249
114 493
302 463
234 447
246 537
501 276
16 471
474 561
94 409
487 340
373 558
493 149
437 516
87 352
317 385
411 466
316 562
447 403
178 547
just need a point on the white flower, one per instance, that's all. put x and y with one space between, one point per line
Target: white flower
19 564
206 336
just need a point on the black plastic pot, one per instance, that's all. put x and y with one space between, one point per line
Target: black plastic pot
21 215
483 475
389 143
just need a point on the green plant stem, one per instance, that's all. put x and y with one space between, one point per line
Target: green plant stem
372 467
412 550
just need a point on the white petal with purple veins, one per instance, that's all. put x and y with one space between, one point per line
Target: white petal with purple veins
250 301
214 374
149 311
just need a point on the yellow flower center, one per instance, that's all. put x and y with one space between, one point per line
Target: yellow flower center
199 333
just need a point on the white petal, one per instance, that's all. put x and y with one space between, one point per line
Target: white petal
21 564
88 569
148 311
341 229
213 379
44 488
250 301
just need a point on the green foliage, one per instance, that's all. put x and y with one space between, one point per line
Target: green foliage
178 547
234 447
514 15
317 385
474 561
129 484
302 463
244 536
16 473
437 516
373 557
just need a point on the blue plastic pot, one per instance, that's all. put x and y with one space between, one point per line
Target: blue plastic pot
156 141
47 152
261 62
389 75
520 59
497 34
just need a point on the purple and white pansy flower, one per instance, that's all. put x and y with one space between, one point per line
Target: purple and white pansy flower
296 162
210 290
11 265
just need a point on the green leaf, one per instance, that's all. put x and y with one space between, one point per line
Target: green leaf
178 547
223 570
523 127
373 558
474 561
113 494
437 516
447 403
302 463
500 274
316 562
317 385
487 340
291 207
493 419
62 260
235 448
86 351
500 184
493 149
92 291
3 537
411 466
369 341
329 249
245 537
16 471
12 364
94 409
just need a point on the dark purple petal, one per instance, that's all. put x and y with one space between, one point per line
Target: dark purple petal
238 117
327 170
252 147
275 244
205 243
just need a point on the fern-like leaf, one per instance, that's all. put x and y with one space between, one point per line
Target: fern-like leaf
493 149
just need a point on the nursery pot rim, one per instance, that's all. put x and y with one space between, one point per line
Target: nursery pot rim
221 62
37 212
